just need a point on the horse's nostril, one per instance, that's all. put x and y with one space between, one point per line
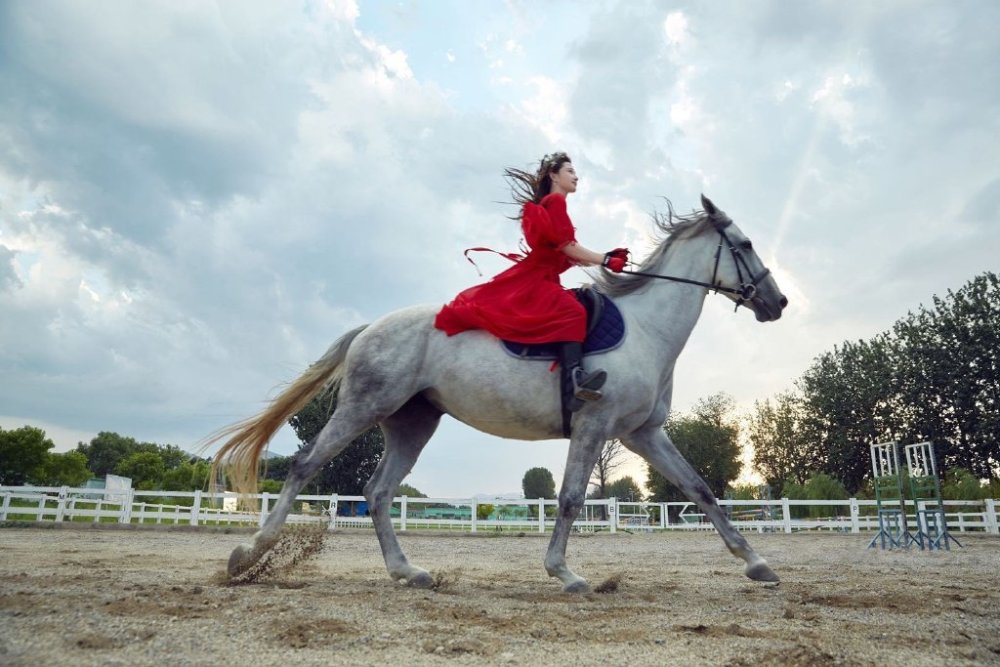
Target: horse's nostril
783 301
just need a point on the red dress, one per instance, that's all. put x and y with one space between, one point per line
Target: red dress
526 303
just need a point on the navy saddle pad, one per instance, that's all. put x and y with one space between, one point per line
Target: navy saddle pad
604 335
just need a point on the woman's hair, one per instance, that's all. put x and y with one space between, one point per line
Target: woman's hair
526 187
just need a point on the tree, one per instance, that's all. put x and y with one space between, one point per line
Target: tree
106 451
538 483
960 484
188 476
849 401
347 473
409 491
483 511
22 451
781 452
625 489
935 376
949 375
173 456
823 487
611 458
67 469
709 440
145 469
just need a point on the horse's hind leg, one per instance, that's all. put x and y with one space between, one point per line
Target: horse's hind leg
346 424
406 432
653 445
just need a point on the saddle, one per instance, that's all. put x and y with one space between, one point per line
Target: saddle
605 332
605 329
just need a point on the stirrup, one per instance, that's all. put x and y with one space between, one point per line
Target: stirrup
587 386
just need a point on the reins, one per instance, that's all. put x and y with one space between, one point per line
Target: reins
746 290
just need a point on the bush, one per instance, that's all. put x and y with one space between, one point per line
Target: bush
483 511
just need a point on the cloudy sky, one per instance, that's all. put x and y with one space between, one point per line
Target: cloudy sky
196 198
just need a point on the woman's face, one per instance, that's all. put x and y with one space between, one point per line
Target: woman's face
564 180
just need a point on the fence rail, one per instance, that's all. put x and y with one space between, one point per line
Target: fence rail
194 508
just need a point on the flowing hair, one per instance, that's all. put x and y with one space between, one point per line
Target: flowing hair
530 188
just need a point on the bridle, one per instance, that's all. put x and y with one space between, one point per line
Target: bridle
747 289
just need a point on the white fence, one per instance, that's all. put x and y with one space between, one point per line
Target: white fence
27 503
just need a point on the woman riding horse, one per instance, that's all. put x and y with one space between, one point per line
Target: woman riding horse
527 303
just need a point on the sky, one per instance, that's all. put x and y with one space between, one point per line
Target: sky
197 198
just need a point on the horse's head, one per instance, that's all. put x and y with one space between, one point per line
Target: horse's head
739 272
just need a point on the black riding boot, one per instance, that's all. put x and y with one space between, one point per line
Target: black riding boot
577 382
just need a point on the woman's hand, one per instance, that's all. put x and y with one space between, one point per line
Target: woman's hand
615 260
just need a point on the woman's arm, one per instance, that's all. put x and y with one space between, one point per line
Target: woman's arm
581 255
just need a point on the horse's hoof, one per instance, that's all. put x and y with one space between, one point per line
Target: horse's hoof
421 580
239 561
578 586
761 572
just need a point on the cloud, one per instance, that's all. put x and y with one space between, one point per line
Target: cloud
195 199
8 273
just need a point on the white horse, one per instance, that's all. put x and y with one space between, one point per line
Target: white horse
401 373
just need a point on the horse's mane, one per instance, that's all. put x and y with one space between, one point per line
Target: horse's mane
670 226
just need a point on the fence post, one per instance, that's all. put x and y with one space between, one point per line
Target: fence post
541 515
786 514
613 515
855 516
263 508
475 511
126 513
402 513
333 512
41 508
5 507
61 507
990 516
195 507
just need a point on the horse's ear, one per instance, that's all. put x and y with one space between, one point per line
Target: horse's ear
707 204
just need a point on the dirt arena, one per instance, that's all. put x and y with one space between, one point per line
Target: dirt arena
86 596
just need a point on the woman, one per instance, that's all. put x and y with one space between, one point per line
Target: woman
526 303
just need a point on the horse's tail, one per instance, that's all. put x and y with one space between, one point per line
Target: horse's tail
248 439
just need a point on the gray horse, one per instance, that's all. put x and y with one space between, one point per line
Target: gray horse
401 373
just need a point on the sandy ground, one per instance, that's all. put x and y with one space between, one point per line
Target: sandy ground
86 596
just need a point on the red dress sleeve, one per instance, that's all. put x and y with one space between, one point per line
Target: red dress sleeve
548 225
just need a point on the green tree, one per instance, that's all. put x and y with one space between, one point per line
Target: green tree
145 469
483 511
22 451
409 491
105 451
960 484
709 440
67 469
824 487
625 489
849 402
348 472
746 492
780 450
173 456
188 476
538 483
269 486
949 375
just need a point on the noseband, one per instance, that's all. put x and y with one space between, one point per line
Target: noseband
748 287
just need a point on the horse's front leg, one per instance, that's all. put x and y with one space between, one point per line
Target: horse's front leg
584 449
652 444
